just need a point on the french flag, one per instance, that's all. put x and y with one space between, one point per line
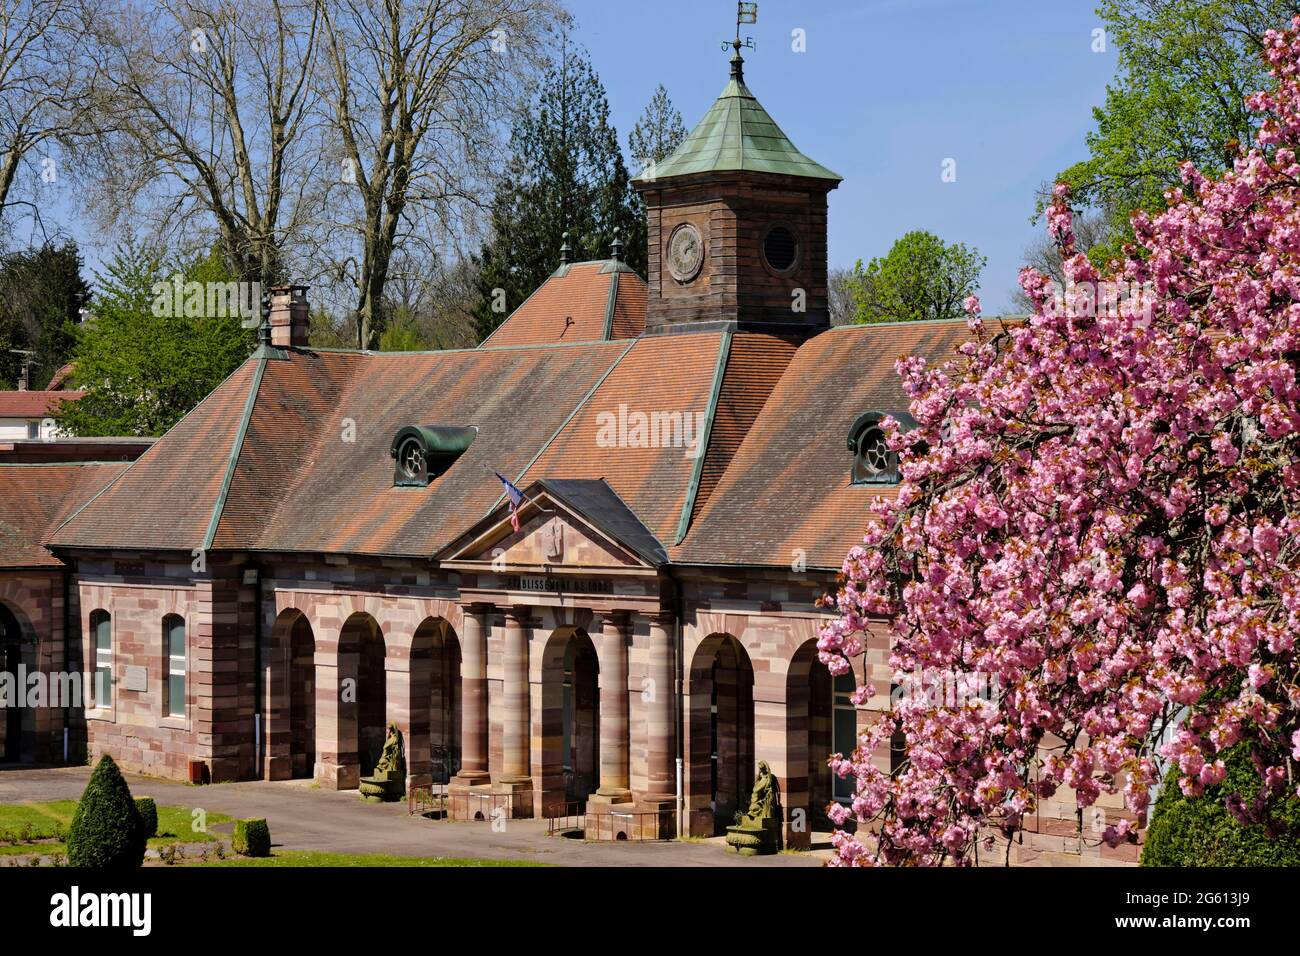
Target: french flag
516 499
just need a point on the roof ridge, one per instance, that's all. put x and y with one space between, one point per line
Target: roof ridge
300 474
236 448
120 475
692 489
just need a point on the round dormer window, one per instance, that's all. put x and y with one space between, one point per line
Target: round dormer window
874 462
410 460
780 249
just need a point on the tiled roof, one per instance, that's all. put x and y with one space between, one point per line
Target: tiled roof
311 467
34 500
786 495
582 302
165 499
755 363
61 377
321 492
596 501
305 466
738 134
34 404
670 381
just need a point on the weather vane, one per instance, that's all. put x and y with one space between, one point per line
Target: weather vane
745 13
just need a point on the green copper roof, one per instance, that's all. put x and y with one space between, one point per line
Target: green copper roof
737 134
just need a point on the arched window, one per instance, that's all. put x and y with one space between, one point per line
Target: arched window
174 638
874 463
101 630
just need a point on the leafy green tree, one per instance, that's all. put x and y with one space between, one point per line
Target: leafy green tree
922 277
401 333
106 831
41 293
657 133
144 364
1203 831
1185 69
566 174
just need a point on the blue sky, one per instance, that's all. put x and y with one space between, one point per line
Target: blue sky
887 90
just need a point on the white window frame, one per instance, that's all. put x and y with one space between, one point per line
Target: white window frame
177 665
103 692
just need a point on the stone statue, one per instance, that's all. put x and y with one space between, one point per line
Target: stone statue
391 759
388 782
759 830
764 800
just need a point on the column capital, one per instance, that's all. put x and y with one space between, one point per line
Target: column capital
620 618
664 618
475 607
519 613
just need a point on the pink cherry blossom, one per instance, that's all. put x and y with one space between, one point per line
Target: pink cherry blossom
1099 518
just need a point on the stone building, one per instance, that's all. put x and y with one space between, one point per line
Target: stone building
323 545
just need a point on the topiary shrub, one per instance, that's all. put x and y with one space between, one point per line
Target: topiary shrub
1201 831
148 816
106 830
252 838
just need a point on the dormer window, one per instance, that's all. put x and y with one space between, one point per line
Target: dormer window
874 462
423 452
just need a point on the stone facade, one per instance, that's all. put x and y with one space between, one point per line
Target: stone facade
32 613
735 652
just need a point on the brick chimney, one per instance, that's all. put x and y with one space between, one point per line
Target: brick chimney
290 321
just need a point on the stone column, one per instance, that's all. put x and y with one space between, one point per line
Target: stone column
515 739
474 697
613 711
661 728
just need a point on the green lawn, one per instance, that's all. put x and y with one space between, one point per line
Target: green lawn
313 858
23 823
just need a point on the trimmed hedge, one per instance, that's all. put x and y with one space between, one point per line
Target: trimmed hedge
106 830
252 838
1199 831
148 816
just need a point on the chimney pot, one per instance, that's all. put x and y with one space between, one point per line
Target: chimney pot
290 316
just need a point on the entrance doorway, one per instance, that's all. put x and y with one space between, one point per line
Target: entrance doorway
12 646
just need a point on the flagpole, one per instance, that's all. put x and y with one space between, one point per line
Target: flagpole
533 501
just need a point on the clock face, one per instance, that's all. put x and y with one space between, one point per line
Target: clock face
685 252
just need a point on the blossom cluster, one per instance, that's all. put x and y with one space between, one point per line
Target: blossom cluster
1101 511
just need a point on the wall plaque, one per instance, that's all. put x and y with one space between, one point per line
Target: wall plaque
135 678
544 584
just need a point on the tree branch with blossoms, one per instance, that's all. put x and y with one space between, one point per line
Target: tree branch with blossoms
1099 519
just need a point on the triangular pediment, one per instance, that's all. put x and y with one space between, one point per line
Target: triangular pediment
570 525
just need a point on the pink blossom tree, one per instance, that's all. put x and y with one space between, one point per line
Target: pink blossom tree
1098 518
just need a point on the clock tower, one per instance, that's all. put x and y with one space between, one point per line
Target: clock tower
737 225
